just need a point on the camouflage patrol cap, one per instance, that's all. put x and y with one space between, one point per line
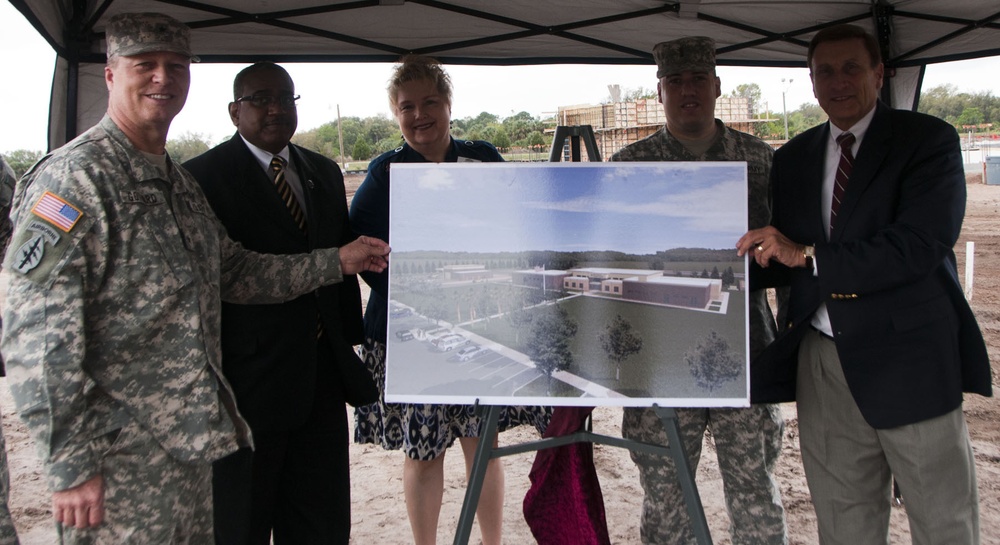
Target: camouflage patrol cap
131 34
694 53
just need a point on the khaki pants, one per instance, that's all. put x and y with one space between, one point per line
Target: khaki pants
849 465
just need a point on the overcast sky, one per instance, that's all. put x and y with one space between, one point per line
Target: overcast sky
359 89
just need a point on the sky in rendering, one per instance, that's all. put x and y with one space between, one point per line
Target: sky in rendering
638 208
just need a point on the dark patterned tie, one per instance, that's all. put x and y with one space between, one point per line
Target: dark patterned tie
285 192
845 141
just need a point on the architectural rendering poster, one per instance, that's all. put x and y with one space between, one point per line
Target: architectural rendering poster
568 284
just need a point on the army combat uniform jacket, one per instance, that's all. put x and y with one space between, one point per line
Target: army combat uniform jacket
114 281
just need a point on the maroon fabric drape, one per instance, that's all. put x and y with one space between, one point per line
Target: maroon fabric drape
564 505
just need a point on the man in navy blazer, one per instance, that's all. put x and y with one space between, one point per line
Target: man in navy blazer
881 342
281 359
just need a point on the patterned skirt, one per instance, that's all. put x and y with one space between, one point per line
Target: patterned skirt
424 431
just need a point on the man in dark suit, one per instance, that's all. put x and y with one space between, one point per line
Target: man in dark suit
881 341
281 359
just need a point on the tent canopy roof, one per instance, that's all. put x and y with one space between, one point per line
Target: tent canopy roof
748 32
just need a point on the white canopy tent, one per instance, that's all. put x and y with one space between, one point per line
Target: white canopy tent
912 33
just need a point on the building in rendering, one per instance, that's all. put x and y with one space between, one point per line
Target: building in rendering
467 273
674 291
641 285
539 278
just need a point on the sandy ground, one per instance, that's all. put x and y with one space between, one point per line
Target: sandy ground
380 514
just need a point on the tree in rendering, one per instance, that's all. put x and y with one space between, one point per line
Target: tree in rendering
712 363
437 307
548 346
485 302
619 341
728 278
518 315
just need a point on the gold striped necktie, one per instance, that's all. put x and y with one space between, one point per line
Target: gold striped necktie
285 192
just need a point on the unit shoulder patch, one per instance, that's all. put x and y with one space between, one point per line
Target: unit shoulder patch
28 255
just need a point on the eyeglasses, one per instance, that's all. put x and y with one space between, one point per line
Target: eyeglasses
265 101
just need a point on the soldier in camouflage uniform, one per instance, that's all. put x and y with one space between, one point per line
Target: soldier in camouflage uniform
114 283
747 440
8 534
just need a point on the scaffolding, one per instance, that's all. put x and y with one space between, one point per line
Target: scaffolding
619 124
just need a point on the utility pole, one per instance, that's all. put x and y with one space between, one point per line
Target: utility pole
340 137
784 109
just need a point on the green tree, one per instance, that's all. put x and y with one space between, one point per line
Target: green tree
712 363
501 140
377 127
751 92
942 102
362 151
485 119
548 345
536 141
970 116
488 133
804 118
987 104
20 160
640 93
520 125
388 144
188 146
620 341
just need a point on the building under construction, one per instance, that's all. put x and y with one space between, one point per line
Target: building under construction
619 124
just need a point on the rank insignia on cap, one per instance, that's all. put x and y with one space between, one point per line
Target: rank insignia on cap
53 209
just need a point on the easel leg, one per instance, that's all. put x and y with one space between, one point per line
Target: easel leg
484 452
692 499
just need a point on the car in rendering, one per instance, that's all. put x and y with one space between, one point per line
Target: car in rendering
470 352
404 335
436 334
449 342
400 312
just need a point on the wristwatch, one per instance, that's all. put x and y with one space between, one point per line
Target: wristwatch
809 252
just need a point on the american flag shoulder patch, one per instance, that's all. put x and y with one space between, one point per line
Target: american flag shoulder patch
53 209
